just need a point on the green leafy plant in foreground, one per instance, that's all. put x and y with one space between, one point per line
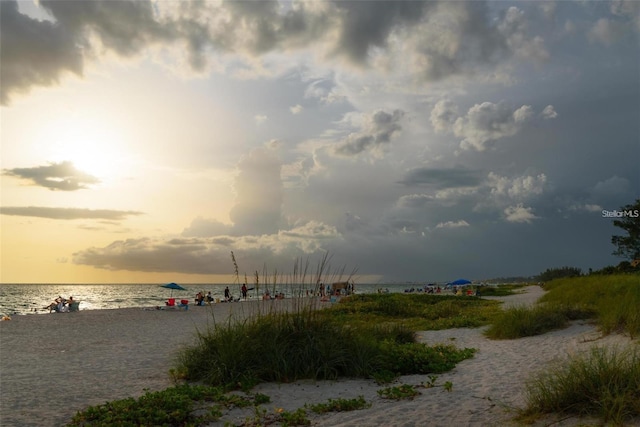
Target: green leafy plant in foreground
401 392
173 406
340 405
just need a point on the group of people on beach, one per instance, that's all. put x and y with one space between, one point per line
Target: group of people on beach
201 299
62 305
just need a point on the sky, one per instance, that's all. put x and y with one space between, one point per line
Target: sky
144 141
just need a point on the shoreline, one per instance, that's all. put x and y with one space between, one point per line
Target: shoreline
53 366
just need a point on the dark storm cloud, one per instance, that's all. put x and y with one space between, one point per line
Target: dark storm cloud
39 53
433 40
32 52
67 213
364 26
442 178
57 176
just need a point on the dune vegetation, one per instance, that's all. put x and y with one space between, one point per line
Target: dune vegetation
603 383
610 301
374 336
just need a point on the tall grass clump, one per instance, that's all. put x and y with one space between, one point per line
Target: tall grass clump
523 321
306 344
613 299
604 383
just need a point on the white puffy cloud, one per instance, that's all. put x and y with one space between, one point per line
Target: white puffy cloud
444 115
514 27
549 112
453 224
483 123
489 122
518 188
519 213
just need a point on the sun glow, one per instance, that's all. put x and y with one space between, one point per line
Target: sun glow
93 147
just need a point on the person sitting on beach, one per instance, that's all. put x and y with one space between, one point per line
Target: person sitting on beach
209 297
266 296
199 298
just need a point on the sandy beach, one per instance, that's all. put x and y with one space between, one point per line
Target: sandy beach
51 366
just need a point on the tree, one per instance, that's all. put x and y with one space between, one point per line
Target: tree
557 273
628 246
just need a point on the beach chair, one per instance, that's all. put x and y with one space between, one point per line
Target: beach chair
171 302
184 303
74 306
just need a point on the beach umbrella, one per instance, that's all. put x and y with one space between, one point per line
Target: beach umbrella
460 282
173 286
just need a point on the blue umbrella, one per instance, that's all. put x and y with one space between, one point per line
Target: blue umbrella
460 282
173 286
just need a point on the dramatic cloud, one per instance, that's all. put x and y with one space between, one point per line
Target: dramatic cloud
406 137
444 39
57 176
211 255
67 213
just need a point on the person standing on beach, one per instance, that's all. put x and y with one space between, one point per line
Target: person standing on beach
227 294
244 291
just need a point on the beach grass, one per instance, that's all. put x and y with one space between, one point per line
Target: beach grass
523 321
610 301
417 312
614 299
604 383
313 344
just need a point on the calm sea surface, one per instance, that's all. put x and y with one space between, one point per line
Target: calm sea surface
33 298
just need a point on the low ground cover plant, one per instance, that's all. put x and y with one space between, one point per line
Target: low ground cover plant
182 405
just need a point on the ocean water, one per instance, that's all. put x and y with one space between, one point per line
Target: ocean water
33 298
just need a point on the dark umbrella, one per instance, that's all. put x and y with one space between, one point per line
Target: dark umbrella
173 286
460 282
